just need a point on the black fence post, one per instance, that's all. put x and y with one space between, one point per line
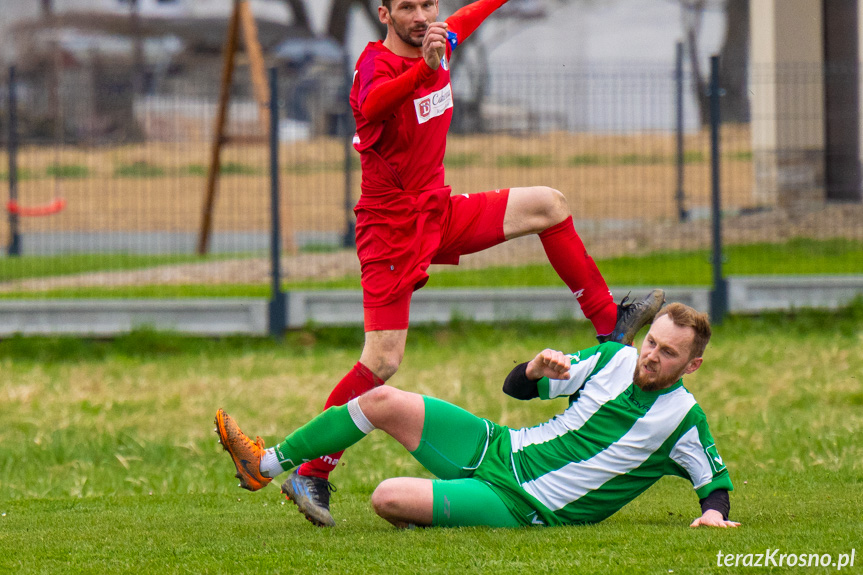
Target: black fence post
14 248
842 170
278 300
349 240
682 215
719 295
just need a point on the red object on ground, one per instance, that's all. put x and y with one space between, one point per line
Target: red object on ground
55 206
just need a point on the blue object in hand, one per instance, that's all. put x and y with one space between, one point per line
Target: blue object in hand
452 38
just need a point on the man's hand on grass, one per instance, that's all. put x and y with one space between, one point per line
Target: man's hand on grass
713 518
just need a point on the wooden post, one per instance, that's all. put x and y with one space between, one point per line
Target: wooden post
256 64
241 18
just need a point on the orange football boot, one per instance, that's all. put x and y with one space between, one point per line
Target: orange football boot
246 453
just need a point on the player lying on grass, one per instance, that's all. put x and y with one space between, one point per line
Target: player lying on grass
629 422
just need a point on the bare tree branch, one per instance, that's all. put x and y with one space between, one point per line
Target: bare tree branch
300 14
340 11
692 16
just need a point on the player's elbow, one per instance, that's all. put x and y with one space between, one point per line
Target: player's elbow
374 114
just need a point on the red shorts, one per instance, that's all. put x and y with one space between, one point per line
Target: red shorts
398 240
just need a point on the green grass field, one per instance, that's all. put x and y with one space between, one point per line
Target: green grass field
109 463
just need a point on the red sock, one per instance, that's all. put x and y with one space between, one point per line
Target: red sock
576 268
358 380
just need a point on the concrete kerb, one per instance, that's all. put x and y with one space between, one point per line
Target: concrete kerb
213 317
101 318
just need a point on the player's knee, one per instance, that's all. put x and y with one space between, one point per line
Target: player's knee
384 406
389 364
383 398
384 364
386 500
556 208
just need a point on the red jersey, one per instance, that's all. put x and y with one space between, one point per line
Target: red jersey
402 129
406 150
403 110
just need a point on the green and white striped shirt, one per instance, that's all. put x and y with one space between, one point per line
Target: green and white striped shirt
613 441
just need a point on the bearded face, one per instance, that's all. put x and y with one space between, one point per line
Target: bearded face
649 377
412 35
411 18
664 356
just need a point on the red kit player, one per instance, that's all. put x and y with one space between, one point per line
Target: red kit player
407 219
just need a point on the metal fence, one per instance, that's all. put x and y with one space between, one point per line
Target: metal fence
109 185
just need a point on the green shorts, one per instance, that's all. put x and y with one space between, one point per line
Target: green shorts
453 445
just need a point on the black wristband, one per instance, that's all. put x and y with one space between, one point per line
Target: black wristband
518 385
717 500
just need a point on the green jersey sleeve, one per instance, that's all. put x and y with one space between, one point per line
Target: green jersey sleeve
696 453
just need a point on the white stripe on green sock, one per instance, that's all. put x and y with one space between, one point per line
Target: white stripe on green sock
359 418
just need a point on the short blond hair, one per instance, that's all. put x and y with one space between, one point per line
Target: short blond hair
685 316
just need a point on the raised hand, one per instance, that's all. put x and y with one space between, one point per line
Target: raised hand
549 363
434 44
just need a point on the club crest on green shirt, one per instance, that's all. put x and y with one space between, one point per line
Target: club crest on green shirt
716 463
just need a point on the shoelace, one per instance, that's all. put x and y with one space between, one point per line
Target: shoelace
317 483
330 487
623 305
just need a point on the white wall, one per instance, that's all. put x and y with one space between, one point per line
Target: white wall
627 32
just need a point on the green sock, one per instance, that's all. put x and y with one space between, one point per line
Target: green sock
332 431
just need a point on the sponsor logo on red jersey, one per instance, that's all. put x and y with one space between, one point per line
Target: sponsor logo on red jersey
434 104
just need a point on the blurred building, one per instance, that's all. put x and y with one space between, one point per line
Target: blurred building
805 87
94 70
